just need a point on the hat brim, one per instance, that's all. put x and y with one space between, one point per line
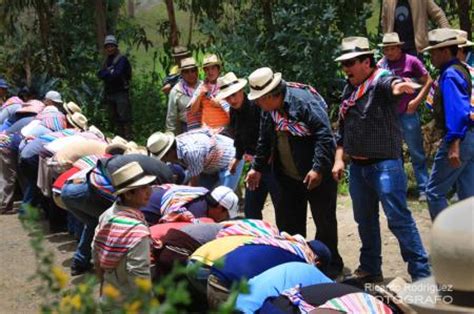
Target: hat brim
391 44
454 42
187 67
352 55
255 94
223 94
116 147
181 54
139 183
422 296
170 138
467 44
219 63
72 122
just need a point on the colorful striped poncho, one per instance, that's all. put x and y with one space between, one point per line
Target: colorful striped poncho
52 119
116 236
174 200
248 227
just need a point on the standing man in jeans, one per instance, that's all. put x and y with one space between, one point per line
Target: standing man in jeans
408 66
295 132
370 134
116 72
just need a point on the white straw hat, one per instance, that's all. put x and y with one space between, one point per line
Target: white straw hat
262 81
129 177
444 37
352 47
228 85
159 143
391 39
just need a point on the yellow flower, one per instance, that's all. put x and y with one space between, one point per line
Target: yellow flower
61 277
110 292
83 288
133 307
154 303
64 304
143 284
76 302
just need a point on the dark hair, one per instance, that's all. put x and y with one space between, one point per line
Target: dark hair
453 49
211 202
370 57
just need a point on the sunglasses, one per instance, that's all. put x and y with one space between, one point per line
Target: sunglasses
348 63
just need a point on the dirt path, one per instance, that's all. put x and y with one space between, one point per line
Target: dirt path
17 264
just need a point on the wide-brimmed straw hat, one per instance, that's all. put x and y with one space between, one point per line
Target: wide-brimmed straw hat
451 288
443 37
188 63
95 130
179 51
117 146
130 177
209 60
71 107
391 39
262 81
77 120
228 85
159 143
352 47
463 35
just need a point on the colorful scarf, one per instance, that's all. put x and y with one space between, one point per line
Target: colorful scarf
248 227
55 135
282 123
174 200
358 302
12 101
115 237
185 88
53 120
87 162
99 179
295 297
360 91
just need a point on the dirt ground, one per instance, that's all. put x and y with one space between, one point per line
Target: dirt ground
17 263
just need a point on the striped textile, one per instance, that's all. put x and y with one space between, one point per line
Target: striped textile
282 123
357 303
174 200
59 134
52 119
86 162
116 236
295 297
248 227
211 116
204 152
360 91
12 101
193 119
99 180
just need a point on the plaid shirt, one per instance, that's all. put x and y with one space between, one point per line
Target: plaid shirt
203 152
371 127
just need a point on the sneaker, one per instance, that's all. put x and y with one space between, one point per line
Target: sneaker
77 269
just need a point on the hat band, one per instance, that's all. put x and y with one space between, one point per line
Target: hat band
229 84
125 183
356 49
436 42
458 297
263 86
391 42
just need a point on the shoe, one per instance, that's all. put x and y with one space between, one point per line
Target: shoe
363 277
422 198
77 270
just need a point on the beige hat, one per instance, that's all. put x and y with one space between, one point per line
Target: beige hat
179 51
352 47
134 148
443 37
229 84
463 34
209 60
78 120
159 143
188 63
451 288
95 130
117 146
262 81
71 107
391 39
129 177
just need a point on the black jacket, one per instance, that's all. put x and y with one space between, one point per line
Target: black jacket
244 126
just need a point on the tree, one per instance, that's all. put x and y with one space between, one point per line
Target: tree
464 9
174 32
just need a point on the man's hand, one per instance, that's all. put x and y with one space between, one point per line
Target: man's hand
338 170
253 179
312 179
413 106
405 88
454 156
233 165
166 89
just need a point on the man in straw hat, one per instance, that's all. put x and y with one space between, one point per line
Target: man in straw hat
465 50
116 72
410 67
369 133
244 126
121 246
296 128
454 160
180 95
178 53
214 113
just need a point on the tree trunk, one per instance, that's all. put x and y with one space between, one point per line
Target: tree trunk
268 16
113 8
190 29
464 17
100 22
131 8
174 33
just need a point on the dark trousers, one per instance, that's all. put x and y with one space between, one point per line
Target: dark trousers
255 200
120 113
291 215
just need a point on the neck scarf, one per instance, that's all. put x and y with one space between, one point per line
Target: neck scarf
174 200
115 237
282 123
360 91
185 88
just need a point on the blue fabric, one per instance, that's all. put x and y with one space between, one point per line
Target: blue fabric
386 182
116 76
19 124
274 281
456 101
251 260
33 148
223 177
255 200
8 112
443 176
411 127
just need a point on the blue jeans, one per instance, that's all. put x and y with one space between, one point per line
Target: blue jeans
443 176
386 182
411 127
223 177
255 200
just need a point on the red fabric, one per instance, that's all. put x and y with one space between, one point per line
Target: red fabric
59 183
159 230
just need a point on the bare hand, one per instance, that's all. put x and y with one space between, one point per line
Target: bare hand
248 158
312 179
166 89
233 165
454 157
412 106
405 88
253 179
338 170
